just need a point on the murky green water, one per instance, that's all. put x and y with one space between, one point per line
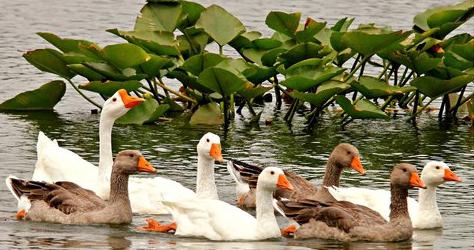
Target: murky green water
171 146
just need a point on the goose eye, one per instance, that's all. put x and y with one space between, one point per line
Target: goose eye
404 170
207 140
114 99
272 173
348 152
131 155
437 167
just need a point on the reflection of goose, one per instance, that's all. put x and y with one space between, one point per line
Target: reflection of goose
217 220
59 164
345 221
67 203
424 214
343 156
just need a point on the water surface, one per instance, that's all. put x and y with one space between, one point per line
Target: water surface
171 145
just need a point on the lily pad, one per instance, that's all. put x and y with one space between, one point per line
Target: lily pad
67 45
109 88
191 12
219 24
308 78
125 55
86 72
372 87
209 114
49 60
323 93
250 92
158 42
245 39
285 23
155 65
435 87
363 109
221 80
196 64
158 17
43 98
369 43
299 53
147 112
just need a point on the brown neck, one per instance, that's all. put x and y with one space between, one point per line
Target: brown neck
332 174
119 188
399 204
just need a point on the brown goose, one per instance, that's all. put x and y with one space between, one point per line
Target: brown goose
67 203
345 221
343 156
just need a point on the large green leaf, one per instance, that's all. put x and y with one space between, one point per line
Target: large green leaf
435 87
155 65
304 78
158 42
188 80
323 93
219 24
221 80
250 92
158 17
125 55
311 28
196 64
49 60
190 14
363 109
299 53
113 74
460 56
370 43
372 87
245 39
198 38
147 112
43 98
285 23
68 45
87 72
109 88
209 114
445 18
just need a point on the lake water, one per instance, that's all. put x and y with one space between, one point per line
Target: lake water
170 146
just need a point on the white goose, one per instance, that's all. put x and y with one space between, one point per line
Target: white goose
424 214
218 220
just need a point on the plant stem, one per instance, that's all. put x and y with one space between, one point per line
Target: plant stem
251 110
469 97
364 60
415 106
191 45
456 107
220 50
403 75
162 85
83 95
153 91
277 93
419 111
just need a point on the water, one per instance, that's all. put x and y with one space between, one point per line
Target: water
171 146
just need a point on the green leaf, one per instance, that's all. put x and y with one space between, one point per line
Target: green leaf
372 87
270 57
158 17
43 98
435 87
369 43
286 23
158 42
86 72
363 109
299 53
188 80
311 28
460 56
209 114
306 77
190 14
343 24
221 80
323 93
147 112
67 45
49 60
250 92
219 24
125 55
196 64
244 39
155 65
113 74
109 88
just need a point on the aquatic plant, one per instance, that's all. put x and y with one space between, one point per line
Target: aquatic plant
310 64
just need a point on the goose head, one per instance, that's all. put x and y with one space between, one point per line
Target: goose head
119 103
436 173
406 176
272 178
209 147
347 155
132 161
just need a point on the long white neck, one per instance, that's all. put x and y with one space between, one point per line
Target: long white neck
205 183
267 226
105 154
427 199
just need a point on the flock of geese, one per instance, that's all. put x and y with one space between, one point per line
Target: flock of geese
68 189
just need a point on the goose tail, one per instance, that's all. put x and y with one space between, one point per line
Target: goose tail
43 143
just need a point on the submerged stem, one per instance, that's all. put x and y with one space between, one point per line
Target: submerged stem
83 95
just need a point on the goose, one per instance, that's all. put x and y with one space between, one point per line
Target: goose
346 221
220 221
424 214
245 175
68 203
59 164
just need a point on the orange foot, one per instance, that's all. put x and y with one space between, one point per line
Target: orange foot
21 214
154 226
289 230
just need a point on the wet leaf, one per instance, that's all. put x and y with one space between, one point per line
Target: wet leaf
209 114
125 55
219 24
43 98
49 60
435 87
221 80
155 65
250 92
147 112
370 43
196 64
363 109
323 93
109 88
158 42
67 45
285 23
372 87
158 17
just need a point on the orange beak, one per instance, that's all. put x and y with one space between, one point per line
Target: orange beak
284 183
145 166
415 181
357 165
450 175
216 152
128 100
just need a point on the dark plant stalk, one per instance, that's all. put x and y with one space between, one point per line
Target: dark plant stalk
386 103
454 110
447 106
83 95
250 107
385 68
153 91
345 123
415 106
191 45
469 97
221 52
355 62
164 87
277 93
404 74
441 108
420 110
